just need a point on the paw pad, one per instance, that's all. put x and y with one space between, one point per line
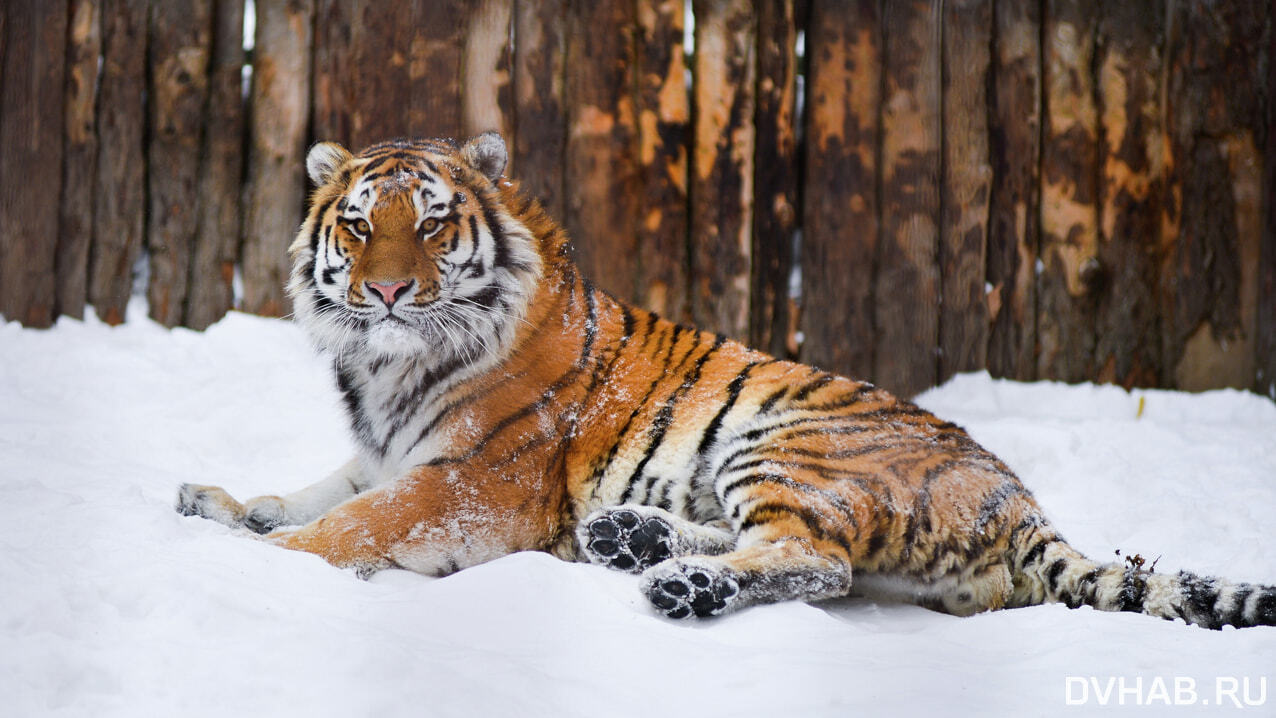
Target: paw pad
625 541
682 591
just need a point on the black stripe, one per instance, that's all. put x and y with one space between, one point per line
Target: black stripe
807 517
733 394
812 387
1053 571
772 399
1035 553
660 425
838 501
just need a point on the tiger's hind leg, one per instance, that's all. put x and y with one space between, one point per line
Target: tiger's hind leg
634 538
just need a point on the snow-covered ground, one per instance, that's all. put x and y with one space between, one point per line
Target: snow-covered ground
113 604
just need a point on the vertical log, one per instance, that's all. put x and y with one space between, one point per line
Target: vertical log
1127 331
1214 238
217 234
382 40
79 163
775 180
963 319
664 116
601 167
1265 341
907 297
841 207
276 162
31 163
1015 147
334 65
120 191
539 52
179 44
485 100
435 56
1069 194
722 166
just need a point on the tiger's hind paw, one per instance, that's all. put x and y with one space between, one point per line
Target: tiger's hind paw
626 541
680 589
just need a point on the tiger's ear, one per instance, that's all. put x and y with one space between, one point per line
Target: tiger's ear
487 154
324 160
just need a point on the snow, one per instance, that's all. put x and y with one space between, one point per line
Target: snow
113 604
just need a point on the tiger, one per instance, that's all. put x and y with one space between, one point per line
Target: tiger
500 402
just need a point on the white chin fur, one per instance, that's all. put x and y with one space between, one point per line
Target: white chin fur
394 339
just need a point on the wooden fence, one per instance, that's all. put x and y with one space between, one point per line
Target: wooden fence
898 190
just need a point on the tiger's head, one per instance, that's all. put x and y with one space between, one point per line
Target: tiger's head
408 250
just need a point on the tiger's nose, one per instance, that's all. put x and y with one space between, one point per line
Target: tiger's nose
389 293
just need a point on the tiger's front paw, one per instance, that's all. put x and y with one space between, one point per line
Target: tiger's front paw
680 588
264 514
210 502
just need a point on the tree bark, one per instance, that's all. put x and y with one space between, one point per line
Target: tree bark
663 127
1070 277
1213 218
722 166
79 163
967 179
776 170
31 163
119 195
217 235
907 297
276 161
539 53
601 167
1014 212
840 193
179 48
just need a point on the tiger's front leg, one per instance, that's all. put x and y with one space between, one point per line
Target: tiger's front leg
423 523
266 513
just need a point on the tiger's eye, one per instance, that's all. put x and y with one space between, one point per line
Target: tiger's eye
362 228
428 225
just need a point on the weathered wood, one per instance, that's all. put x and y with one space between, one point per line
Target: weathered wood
276 161
775 213
539 53
179 45
663 125
435 66
31 161
1265 339
1214 238
486 103
722 166
217 235
119 194
1127 333
1014 217
964 196
382 37
841 206
79 162
907 296
1070 276
334 98
601 167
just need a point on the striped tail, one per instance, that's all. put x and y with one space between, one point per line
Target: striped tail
1053 572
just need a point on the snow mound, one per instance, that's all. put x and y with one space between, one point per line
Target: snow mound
113 604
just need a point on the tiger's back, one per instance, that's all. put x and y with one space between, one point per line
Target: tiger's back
501 403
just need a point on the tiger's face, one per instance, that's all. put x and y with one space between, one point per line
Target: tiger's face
407 251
